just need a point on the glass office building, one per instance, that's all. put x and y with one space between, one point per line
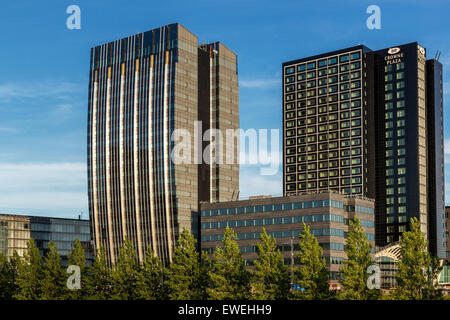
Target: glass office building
142 88
16 231
326 213
63 233
369 122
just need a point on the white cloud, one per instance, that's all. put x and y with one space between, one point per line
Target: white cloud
37 89
447 150
446 88
43 186
8 130
252 183
259 83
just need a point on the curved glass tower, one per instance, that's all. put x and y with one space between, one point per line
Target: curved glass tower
143 88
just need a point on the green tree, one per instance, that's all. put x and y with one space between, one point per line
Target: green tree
53 283
188 273
30 274
8 276
77 257
417 269
98 282
312 273
229 278
125 273
270 278
354 270
151 280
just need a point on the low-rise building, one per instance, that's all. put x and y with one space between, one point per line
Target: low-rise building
326 213
16 230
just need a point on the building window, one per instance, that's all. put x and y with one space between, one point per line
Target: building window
332 61
400 103
400 84
354 55
290 79
290 70
343 58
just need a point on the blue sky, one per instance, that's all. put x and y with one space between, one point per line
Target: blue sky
44 75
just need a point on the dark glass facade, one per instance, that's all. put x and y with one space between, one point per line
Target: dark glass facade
401 135
16 231
63 233
324 114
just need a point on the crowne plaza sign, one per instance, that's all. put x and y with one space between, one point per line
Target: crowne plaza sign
394 56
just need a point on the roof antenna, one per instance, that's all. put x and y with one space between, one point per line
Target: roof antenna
438 55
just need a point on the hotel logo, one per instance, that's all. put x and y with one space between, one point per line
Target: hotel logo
394 50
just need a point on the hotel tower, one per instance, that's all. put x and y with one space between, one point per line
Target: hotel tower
369 123
141 89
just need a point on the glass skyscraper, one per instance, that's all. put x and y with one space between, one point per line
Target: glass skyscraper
370 123
142 88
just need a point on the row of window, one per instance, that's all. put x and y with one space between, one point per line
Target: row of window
285 234
324 117
322 155
322 128
272 221
278 234
323 62
335 246
288 206
323 173
398 76
302 85
312 146
393 219
274 207
322 109
311 167
303 186
344 124
398 85
343 162
323 90
400 200
343 68
399 95
364 223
